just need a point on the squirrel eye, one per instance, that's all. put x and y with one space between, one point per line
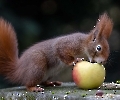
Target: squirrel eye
98 48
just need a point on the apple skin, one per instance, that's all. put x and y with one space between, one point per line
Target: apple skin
88 75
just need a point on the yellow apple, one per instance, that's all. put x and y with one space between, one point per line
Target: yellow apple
88 75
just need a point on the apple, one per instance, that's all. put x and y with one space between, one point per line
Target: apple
88 75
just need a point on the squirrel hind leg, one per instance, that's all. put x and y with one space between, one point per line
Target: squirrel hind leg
32 72
33 82
38 88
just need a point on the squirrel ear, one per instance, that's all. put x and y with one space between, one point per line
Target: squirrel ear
104 26
94 36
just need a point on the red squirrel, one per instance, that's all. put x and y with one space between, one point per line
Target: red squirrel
44 60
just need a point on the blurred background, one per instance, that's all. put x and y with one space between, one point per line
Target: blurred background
36 21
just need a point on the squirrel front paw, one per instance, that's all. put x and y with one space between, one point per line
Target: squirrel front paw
54 83
77 60
35 89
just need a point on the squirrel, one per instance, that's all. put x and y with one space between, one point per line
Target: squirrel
45 59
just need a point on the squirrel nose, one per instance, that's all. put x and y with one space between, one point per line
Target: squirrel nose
99 62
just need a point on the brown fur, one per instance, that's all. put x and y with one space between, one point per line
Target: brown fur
44 60
8 48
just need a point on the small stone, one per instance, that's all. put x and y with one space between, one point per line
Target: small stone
99 93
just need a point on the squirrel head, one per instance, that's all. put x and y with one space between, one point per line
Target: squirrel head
97 48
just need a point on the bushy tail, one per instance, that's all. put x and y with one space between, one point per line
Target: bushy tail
8 49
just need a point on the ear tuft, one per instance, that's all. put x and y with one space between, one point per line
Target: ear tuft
104 25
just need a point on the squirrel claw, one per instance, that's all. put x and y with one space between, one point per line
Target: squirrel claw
74 63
